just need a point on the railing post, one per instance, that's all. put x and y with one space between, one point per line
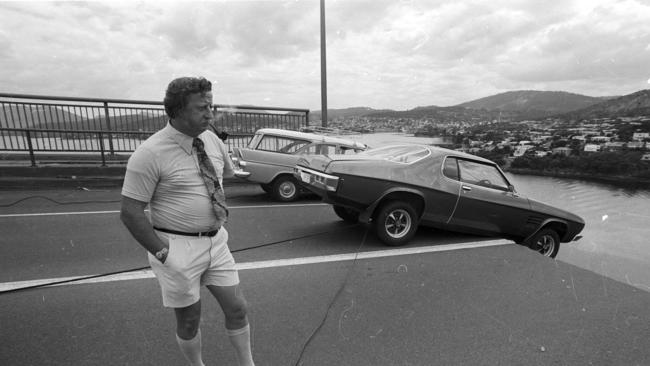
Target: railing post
101 147
108 127
31 148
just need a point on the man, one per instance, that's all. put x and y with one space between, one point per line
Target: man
187 245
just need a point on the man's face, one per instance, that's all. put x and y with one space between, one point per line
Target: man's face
197 114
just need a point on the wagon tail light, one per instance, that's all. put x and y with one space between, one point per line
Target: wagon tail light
317 179
238 162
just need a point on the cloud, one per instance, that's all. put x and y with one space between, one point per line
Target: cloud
381 53
601 45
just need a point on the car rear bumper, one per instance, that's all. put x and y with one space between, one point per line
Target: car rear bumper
242 174
316 180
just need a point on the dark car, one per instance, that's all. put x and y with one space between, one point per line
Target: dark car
397 188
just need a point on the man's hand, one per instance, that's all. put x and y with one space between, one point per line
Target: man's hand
161 255
133 216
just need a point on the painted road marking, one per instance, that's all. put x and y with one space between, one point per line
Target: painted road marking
117 211
136 275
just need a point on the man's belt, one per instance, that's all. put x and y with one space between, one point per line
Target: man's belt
203 233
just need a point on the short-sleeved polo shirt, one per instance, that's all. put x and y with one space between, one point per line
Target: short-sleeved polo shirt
164 171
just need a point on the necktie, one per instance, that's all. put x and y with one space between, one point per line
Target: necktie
211 181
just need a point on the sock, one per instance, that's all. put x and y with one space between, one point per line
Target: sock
241 341
191 349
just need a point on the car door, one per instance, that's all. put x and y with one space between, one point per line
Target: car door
487 204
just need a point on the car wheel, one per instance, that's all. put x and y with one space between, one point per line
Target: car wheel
266 187
347 214
285 189
546 242
395 223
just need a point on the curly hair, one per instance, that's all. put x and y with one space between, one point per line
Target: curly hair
180 89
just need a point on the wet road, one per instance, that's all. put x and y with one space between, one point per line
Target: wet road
445 299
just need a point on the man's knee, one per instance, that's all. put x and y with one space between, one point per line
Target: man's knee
238 310
187 321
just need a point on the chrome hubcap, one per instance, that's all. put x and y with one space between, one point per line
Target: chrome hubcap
546 245
287 189
398 223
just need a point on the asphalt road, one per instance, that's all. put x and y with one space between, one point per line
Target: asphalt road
445 299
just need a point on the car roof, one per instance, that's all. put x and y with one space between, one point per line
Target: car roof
441 151
311 136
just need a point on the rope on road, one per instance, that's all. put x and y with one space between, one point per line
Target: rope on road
57 202
72 202
336 296
53 283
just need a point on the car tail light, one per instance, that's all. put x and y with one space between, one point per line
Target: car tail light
317 179
328 182
238 162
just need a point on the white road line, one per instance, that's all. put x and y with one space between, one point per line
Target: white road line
116 211
6 286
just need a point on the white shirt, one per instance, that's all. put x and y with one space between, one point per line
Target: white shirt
164 171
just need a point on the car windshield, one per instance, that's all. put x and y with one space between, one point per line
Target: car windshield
399 154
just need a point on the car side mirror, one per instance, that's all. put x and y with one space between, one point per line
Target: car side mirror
511 188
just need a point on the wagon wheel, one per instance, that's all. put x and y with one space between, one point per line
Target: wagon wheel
285 189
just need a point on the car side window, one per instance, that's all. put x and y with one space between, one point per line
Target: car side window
281 144
327 149
309 149
450 170
482 174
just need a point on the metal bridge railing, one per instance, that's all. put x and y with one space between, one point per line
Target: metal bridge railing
51 124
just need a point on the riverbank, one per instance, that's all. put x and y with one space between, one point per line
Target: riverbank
618 180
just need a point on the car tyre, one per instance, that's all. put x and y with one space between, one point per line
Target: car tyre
546 242
285 189
347 214
395 223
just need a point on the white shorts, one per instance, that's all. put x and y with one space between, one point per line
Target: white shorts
192 262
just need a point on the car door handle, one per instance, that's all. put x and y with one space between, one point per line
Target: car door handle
467 188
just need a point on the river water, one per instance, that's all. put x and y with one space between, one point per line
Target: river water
616 238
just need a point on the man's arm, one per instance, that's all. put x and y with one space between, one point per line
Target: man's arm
133 216
228 166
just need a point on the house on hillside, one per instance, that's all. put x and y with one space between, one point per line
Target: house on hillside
566 151
636 145
614 146
600 139
645 157
640 136
592 148
520 150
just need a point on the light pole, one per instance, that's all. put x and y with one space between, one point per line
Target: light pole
323 67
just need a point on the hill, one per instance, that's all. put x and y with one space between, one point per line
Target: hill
446 114
344 113
532 104
512 105
635 104
21 116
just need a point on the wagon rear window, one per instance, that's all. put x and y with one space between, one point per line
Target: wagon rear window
285 145
399 154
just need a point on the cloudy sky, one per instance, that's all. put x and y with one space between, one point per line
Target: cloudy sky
396 54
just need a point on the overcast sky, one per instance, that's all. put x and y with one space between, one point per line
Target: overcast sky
396 54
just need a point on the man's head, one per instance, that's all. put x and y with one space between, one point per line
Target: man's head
188 103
